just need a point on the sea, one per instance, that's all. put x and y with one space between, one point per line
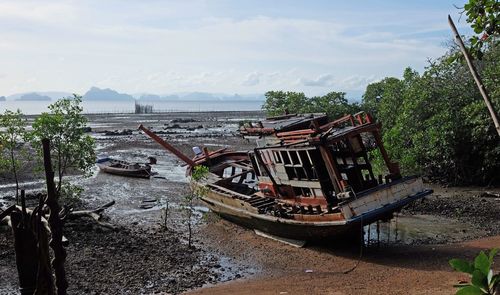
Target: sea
106 107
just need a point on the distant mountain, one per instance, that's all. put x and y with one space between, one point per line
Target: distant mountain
201 96
253 97
34 97
98 94
54 95
2 98
106 94
154 97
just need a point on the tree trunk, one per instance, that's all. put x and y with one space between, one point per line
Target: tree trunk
14 170
55 222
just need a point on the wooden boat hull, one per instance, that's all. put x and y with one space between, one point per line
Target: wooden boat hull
235 210
142 172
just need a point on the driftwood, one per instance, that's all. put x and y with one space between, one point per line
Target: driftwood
6 213
95 214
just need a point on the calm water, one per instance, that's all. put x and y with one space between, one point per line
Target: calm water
37 107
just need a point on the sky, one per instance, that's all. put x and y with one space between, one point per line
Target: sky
218 46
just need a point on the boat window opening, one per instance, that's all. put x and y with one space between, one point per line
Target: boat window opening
300 172
254 164
259 165
348 161
286 158
277 157
304 192
290 171
266 157
356 144
295 158
318 192
307 165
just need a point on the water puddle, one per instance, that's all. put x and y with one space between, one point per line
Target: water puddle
417 229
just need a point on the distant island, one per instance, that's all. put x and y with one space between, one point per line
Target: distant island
107 94
202 96
95 94
34 97
154 97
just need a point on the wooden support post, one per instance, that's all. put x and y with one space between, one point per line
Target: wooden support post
207 156
331 168
475 75
55 222
392 167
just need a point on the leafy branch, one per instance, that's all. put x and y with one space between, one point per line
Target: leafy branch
483 281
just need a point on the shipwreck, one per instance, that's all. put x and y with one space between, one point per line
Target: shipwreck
308 178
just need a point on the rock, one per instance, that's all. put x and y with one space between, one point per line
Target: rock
116 132
180 120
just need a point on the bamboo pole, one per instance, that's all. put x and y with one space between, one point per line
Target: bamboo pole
475 75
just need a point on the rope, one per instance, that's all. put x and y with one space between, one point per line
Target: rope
361 244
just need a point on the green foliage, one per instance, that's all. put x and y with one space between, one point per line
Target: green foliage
200 173
281 102
436 123
334 104
71 148
484 18
198 190
482 279
70 194
12 143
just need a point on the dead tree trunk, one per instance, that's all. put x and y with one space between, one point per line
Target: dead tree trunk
25 245
31 248
55 222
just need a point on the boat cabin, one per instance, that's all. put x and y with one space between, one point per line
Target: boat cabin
308 159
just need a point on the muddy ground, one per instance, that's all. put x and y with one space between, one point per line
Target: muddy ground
141 257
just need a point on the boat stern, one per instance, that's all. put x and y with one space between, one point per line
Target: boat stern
384 200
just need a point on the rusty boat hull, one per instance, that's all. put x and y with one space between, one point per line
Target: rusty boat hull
309 178
234 210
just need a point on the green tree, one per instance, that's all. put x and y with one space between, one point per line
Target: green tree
436 123
12 140
334 104
383 96
281 102
484 18
197 190
71 148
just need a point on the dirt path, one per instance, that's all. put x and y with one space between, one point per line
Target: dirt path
403 269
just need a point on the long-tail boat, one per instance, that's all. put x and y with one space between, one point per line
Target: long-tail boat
309 178
123 168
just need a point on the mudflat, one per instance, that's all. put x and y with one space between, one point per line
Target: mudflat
409 256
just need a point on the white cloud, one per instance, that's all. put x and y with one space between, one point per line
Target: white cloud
325 80
252 79
175 46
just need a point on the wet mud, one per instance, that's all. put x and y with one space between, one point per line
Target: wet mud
142 257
